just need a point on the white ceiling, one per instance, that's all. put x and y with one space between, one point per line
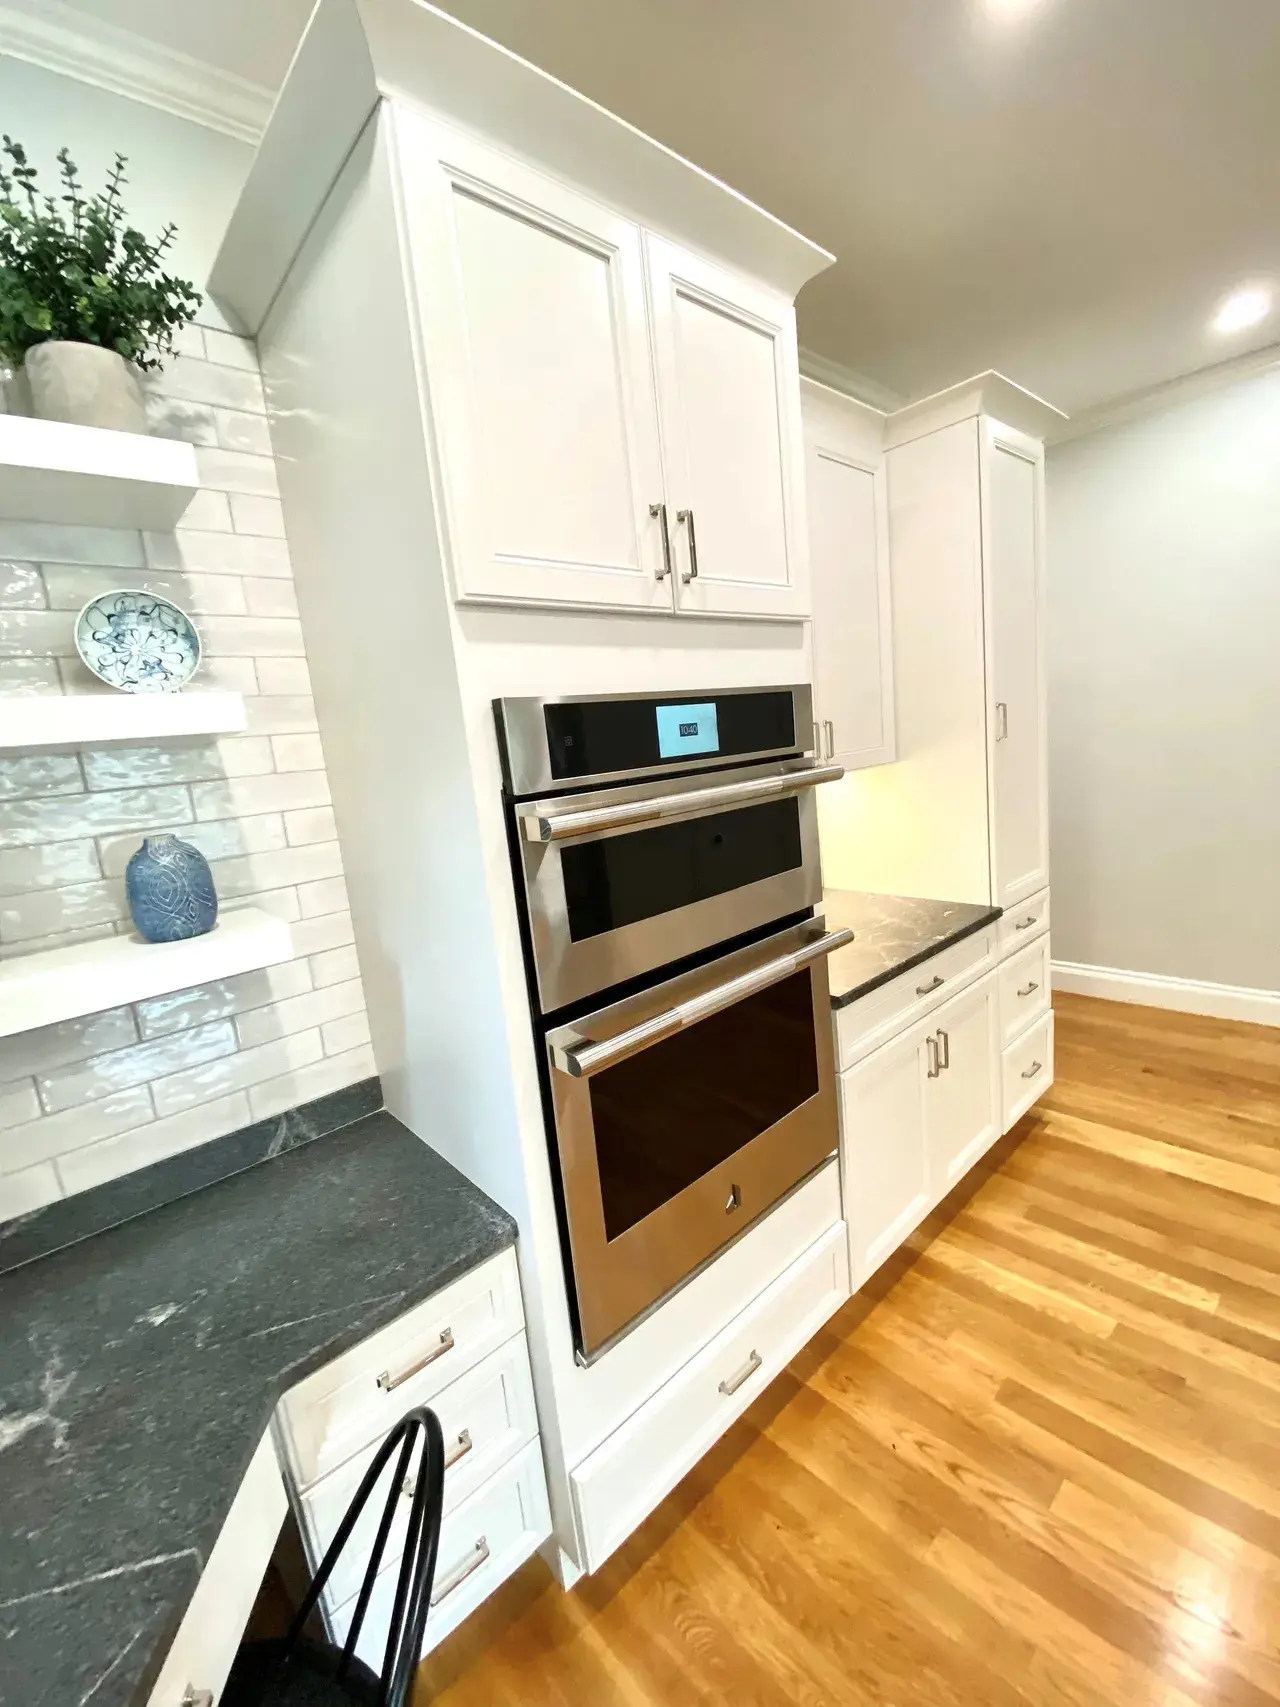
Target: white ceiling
1062 189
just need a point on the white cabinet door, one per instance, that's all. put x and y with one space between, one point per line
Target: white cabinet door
883 1150
962 1105
544 416
849 570
729 404
1012 507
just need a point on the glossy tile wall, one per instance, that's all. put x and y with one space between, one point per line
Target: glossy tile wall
94 1098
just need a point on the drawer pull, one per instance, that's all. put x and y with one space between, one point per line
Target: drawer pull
1030 990
194 1697
1033 1069
928 989
730 1386
1026 924
389 1382
461 1446
460 1573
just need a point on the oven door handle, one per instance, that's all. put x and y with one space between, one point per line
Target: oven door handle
581 1058
542 825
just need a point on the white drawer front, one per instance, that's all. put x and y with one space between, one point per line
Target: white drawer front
354 1400
1020 925
873 1019
211 1630
1028 1070
481 1543
1024 988
487 1417
621 1482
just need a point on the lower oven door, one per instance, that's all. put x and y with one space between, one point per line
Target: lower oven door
683 1113
622 881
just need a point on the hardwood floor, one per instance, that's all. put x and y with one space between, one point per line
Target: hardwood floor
1041 1466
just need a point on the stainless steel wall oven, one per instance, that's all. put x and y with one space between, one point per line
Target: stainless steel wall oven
665 853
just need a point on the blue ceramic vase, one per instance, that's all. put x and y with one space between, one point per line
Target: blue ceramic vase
170 890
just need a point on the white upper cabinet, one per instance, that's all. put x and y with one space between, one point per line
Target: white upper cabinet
729 405
849 567
532 305
1013 510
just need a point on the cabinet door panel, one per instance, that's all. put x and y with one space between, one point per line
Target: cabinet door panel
849 569
533 309
962 1107
1012 497
883 1151
728 390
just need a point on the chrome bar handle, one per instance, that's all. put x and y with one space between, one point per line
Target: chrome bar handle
581 1059
542 825
931 1047
935 983
1030 989
389 1382
830 728
461 1446
1026 924
1033 1069
686 516
1002 721
660 512
193 1697
729 1386
944 1039
456 1578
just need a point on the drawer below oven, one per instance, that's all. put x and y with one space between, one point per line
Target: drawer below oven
621 1482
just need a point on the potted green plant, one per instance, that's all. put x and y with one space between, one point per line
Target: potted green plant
84 302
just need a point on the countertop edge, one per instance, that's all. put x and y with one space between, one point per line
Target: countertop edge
847 997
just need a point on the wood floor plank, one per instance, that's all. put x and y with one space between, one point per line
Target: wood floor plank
1037 1466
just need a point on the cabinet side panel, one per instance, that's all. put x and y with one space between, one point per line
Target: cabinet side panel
919 827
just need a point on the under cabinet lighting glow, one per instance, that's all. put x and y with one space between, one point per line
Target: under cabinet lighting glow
1243 308
1008 11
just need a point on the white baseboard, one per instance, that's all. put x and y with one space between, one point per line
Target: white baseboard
1186 995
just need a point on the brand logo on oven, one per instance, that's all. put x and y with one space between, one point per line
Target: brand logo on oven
688 728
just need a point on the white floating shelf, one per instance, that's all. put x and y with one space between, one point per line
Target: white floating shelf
53 472
39 722
86 977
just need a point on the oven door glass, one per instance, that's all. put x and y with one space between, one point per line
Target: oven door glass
612 905
683 1113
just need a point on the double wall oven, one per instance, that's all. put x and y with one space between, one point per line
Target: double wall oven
665 853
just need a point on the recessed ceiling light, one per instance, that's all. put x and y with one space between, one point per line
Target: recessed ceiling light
1009 10
1243 308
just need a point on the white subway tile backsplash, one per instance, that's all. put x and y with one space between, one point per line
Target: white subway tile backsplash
55 1134
48 867
239 797
97 1163
47 912
89 1099
237 471
334 966
36 634
18 1102
23 823
30 775
59 1045
20 587
57 542
186 1008
142 1064
242 432
252 514
234 1071
32 1189
299 1013
318 1080
315 824
297 752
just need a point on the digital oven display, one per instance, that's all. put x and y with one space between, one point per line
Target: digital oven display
687 730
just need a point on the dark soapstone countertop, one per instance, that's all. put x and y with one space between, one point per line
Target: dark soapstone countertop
139 1369
892 933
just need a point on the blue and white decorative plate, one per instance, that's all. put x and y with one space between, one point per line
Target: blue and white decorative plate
138 642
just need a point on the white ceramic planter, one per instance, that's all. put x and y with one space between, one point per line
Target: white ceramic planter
85 384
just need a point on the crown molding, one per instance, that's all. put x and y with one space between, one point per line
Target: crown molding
849 381
75 44
1133 405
